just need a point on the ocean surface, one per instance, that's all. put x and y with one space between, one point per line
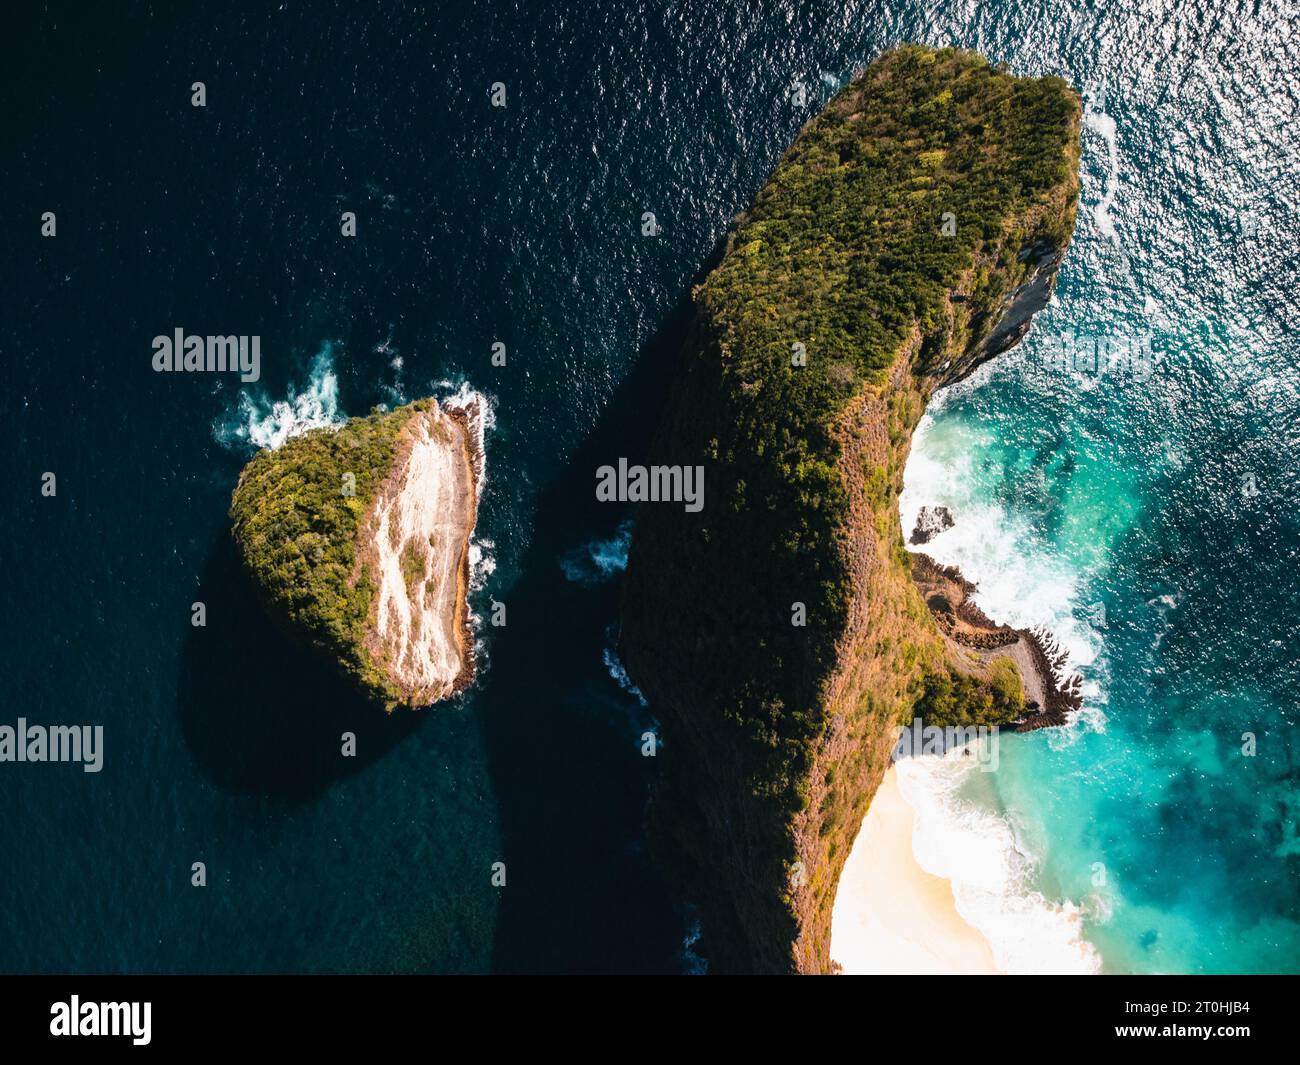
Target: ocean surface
1141 501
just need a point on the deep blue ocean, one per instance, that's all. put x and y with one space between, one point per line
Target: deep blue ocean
1150 517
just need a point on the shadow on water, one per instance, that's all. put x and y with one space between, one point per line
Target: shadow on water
582 894
261 715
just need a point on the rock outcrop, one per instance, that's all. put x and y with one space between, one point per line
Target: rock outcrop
907 236
357 538
930 522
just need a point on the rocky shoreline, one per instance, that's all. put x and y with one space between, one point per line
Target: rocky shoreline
1051 694
409 661
357 538
779 634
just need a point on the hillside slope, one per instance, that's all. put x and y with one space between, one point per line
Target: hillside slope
907 236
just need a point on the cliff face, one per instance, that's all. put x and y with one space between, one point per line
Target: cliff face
358 541
906 237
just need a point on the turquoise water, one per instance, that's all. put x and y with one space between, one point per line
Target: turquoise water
522 226
1143 506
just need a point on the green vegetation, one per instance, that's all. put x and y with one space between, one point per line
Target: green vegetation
413 559
844 252
296 513
772 729
1008 688
952 697
844 247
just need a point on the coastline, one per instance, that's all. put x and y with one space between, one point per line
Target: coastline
781 730
469 416
1052 691
972 843
891 917
437 427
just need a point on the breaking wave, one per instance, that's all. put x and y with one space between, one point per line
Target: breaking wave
260 422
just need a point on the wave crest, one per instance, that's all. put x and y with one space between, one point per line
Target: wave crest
265 423
991 873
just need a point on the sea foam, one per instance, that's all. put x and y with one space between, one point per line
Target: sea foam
991 873
479 410
261 422
599 560
1098 121
1021 582
618 674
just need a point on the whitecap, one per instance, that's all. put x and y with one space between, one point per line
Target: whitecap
482 563
265 423
1097 120
598 560
991 872
1021 581
692 963
479 410
620 677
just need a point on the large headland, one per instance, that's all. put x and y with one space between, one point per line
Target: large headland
358 539
906 237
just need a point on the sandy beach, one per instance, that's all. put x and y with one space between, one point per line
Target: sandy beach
890 915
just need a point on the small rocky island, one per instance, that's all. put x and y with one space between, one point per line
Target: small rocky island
358 539
907 236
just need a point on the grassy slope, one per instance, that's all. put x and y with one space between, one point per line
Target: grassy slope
296 531
776 736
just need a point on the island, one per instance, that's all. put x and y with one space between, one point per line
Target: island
784 633
357 538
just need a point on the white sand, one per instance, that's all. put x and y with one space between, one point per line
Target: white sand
890 915
420 622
